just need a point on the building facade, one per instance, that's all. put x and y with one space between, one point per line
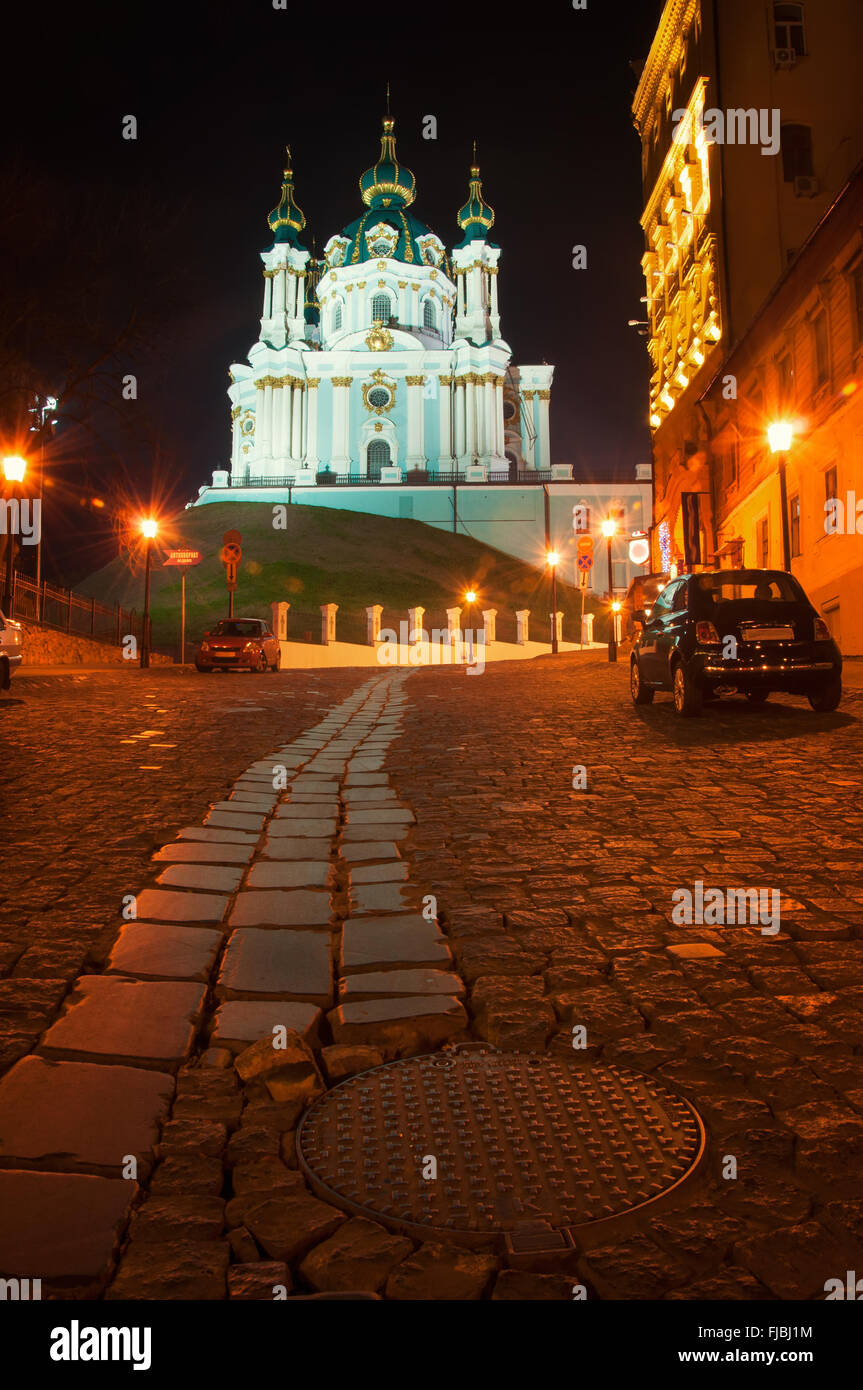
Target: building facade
384 360
751 122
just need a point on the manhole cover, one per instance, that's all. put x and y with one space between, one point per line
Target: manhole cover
519 1143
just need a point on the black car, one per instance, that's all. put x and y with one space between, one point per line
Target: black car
751 631
640 597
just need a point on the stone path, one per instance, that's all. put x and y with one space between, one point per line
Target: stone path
289 907
417 868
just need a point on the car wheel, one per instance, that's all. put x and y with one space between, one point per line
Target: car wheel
5 676
758 697
263 664
688 697
641 694
203 669
827 699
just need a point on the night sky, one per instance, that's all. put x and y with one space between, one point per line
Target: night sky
146 253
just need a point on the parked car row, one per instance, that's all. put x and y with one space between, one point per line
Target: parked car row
749 631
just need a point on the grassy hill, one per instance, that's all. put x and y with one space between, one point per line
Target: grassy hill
329 556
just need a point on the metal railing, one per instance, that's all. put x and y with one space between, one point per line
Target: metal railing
533 475
66 611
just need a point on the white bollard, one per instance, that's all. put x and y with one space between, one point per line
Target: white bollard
280 620
489 624
522 634
373 623
328 623
415 624
587 629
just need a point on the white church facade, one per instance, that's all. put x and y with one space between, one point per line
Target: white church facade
384 361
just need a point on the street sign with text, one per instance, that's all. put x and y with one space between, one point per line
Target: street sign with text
183 557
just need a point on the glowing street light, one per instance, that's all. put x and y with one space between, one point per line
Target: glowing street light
609 530
148 527
552 559
14 468
470 596
780 436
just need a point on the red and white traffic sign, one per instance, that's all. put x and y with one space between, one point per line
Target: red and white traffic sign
231 554
183 558
585 562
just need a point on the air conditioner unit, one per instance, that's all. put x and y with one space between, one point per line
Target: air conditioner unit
784 57
805 186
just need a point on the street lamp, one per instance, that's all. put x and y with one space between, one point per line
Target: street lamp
14 468
148 528
553 559
779 436
609 530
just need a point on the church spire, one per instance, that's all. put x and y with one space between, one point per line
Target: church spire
476 217
388 183
286 220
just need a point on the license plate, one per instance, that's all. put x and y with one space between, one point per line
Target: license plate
225 656
768 634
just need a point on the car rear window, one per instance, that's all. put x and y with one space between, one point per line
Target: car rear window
739 587
235 628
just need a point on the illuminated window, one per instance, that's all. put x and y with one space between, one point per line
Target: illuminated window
796 152
337 318
381 308
821 349
763 543
857 305
429 316
785 378
788 30
794 517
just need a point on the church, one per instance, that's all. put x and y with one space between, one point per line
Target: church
383 361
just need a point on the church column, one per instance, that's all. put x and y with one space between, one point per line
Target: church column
279 292
340 460
297 422
235 440
264 419
498 418
402 311
543 442
415 318
268 295
277 435
312 384
493 281
528 438
445 461
470 447
415 456
459 418
459 280
488 412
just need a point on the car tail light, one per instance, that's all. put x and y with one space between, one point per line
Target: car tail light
706 634
822 631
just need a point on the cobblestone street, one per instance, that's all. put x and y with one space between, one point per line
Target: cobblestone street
382 865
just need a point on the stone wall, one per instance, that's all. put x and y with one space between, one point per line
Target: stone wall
44 647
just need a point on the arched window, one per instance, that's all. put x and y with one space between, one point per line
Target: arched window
337 318
381 308
429 316
378 457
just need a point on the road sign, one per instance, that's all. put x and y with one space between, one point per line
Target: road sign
232 538
231 575
585 563
582 581
183 557
231 553
584 545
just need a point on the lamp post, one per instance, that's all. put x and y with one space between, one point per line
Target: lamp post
779 437
14 469
609 530
552 558
149 527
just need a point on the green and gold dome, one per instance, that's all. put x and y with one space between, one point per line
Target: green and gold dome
476 217
287 221
388 184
